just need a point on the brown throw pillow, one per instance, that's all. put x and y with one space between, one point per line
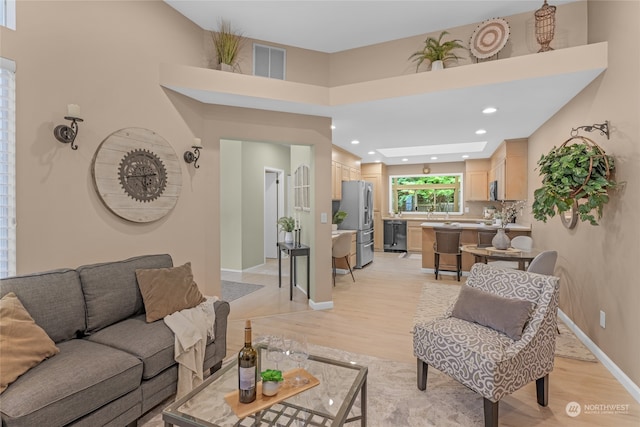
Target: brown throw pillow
505 315
23 343
167 290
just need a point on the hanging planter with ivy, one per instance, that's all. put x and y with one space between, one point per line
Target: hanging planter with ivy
578 170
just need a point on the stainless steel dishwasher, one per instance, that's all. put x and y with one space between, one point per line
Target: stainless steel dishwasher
395 235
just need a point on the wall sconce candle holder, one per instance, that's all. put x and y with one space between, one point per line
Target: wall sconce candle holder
67 134
602 127
193 156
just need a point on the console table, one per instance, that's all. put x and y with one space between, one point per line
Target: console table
294 251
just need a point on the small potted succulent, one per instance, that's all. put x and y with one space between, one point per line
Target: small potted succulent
271 381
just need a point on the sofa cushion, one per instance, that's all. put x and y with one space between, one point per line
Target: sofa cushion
168 290
53 299
506 315
152 343
111 291
83 377
23 344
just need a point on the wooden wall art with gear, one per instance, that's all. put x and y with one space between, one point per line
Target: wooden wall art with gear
137 175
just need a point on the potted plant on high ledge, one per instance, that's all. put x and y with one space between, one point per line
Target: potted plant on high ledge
577 173
437 52
227 43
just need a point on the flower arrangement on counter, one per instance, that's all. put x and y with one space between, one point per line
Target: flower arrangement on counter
509 212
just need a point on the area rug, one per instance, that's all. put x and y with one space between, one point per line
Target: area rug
436 298
393 398
233 290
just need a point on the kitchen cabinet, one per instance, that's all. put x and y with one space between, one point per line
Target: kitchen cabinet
376 173
414 236
344 167
477 186
509 168
476 179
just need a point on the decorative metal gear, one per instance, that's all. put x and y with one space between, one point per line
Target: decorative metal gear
143 176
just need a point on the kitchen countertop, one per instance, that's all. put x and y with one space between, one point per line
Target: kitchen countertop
473 226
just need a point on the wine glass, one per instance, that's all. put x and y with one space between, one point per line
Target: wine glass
276 349
299 352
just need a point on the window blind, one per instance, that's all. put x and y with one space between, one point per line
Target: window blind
7 168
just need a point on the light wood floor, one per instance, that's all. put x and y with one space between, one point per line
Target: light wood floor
375 316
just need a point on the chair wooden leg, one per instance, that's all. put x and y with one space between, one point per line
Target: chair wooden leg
349 265
333 263
437 264
422 375
490 413
542 390
459 260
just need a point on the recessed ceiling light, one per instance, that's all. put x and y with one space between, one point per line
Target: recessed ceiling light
434 158
377 161
372 152
489 110
405 160
333 126
481 131
355 141
465 156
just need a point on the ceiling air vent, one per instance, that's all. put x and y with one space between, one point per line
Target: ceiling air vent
269 61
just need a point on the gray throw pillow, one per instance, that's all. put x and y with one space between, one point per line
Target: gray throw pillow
505 315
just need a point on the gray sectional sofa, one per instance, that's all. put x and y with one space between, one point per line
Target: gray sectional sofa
113 366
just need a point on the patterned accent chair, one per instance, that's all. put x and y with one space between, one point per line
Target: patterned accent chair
485 360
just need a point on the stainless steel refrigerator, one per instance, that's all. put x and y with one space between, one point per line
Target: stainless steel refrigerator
357 202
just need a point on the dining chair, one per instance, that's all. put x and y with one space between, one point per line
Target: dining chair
341 248
524 243
544 263
485 237
447 243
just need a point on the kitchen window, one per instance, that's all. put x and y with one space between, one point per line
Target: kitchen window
426 193
8 13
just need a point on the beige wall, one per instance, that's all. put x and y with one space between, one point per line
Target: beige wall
597 265
392 58
108 63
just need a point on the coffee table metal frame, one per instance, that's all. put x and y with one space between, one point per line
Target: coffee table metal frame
172 416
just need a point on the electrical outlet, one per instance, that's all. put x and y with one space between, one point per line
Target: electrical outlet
466 210
603 319
323 217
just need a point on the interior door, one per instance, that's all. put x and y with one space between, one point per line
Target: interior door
271 212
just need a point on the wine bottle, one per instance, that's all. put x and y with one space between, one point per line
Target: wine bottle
247 368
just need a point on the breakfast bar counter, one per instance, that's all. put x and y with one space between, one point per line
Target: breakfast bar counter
469 236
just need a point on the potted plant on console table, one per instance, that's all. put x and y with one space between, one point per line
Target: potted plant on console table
576 177
287 224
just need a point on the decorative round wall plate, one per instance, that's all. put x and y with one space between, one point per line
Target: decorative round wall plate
137 175
489 38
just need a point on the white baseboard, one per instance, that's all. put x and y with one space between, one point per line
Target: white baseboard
622 378
325 305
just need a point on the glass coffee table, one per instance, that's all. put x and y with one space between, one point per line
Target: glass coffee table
331 403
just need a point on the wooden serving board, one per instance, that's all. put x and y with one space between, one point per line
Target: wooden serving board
287 390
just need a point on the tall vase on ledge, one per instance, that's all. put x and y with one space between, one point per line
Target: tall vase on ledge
501 240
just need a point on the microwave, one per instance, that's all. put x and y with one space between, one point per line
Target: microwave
493 191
